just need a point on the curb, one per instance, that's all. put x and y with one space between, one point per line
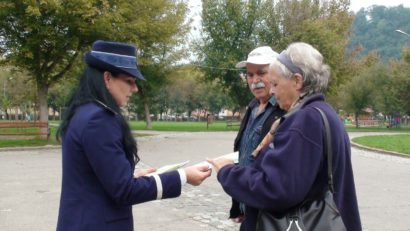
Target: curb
380 151
30 148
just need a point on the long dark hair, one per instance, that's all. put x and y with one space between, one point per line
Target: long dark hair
92 89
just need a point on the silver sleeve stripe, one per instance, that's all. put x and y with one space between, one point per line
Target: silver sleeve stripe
159 186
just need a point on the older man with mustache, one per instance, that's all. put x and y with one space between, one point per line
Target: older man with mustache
261 112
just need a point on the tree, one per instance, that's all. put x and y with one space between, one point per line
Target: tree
186 92
358 95
47 37
323 24
401 81
59 95
385 99
232 28
17 90
227 37
374 29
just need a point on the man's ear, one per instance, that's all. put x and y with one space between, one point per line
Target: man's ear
298 81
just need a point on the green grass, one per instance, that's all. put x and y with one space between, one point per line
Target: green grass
26 142
168 126
396 143
183 126
18 141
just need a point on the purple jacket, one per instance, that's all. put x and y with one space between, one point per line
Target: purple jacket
98 187
293 169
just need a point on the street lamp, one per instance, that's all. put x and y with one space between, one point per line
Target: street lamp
402 32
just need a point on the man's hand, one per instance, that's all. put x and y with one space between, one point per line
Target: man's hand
196 174
220 163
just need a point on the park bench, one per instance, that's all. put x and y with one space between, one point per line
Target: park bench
232 123
370 123
24 128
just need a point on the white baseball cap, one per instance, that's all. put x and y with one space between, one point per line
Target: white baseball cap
260 56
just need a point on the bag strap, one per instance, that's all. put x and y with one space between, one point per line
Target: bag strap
328 149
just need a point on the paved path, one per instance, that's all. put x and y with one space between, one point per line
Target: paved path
30 187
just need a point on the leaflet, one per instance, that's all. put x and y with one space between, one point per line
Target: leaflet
169 168
234 156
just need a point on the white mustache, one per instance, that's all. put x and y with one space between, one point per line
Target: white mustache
257 85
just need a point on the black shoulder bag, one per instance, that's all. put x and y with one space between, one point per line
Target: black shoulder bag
312 214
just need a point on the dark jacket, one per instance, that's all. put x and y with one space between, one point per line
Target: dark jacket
275 114
98 187
293 169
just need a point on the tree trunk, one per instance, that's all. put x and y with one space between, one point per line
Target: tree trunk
356 119
147 116
16 114
242 112
42 92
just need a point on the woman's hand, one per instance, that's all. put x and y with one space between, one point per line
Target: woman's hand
144 172
220 163
238 219
196 174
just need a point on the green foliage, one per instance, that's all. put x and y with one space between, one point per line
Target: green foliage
382 87
228 36
47 37
159 29
385 99
60 93
400 83
17 90
358 93
323 24
186 91
232 28
374 29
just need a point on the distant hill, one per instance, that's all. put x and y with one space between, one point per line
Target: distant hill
374 29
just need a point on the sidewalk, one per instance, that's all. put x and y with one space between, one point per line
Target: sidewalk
30 182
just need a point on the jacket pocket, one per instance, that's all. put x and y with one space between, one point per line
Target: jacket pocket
113 214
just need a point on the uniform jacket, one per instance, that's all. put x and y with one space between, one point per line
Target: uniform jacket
98 187
292 169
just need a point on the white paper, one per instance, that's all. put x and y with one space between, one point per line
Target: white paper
234 156
169 168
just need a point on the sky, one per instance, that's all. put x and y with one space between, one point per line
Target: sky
355 5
